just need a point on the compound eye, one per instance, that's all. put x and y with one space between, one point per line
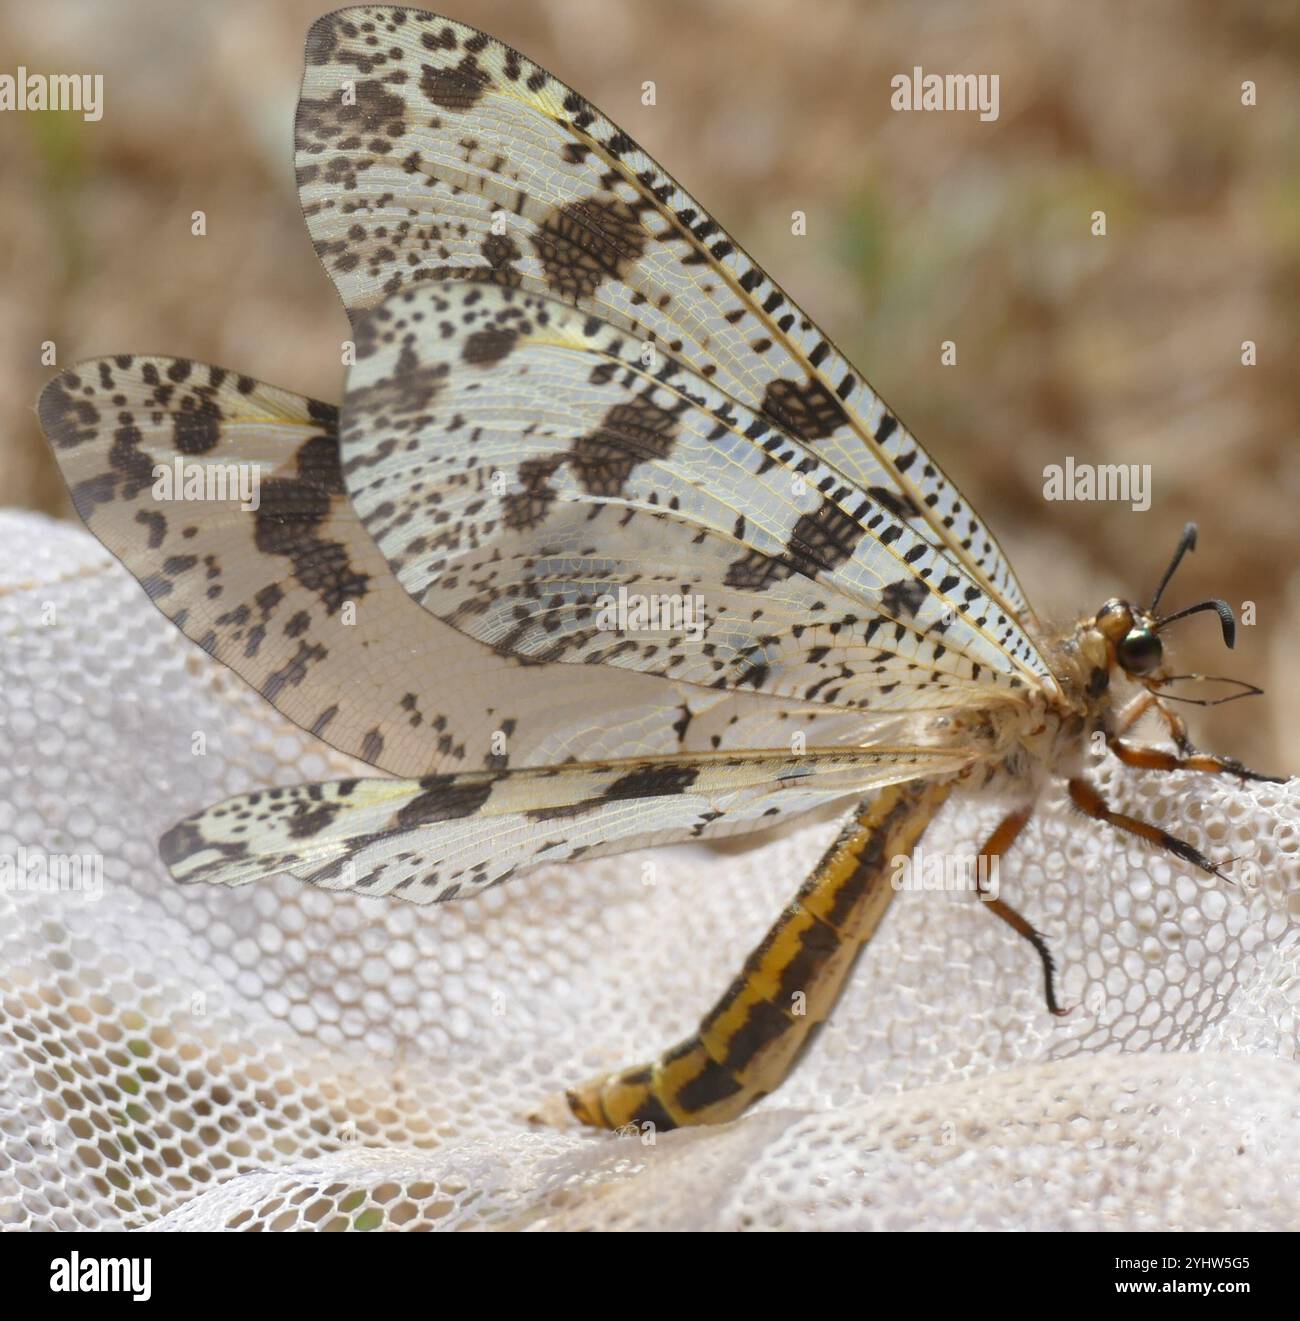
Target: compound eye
1140 652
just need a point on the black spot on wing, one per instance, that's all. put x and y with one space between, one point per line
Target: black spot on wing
804 408
67 420
458 88
629 434
755 572
582 244
652 782
521 510
823 540
900 505
902 599
184 840
196 428
307 822
289 520
444 798
485 348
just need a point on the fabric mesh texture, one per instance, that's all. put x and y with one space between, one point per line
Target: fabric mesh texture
277 1058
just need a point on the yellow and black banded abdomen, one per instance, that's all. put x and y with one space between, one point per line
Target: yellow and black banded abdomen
748 1042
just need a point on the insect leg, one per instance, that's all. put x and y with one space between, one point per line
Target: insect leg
1157 759
747 1044
1177 727
1134 711
997 844
1088 800
1143 703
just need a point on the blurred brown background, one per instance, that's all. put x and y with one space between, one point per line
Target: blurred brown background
921 228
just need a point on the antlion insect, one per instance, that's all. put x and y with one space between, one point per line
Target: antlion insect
569 381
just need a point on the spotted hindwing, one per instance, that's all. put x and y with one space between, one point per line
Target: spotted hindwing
294 596
453 836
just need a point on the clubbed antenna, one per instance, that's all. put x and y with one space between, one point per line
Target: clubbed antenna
1185 543
1224 611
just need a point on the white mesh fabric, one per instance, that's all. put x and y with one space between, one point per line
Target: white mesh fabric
200 1058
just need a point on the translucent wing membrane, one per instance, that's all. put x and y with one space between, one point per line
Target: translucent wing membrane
264 590
573 395
427 150
452 836
519 465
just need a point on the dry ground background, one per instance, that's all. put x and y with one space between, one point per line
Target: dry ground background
921 228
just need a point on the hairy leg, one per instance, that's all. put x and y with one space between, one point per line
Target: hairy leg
998 843
1157 759
1088 800
1143 703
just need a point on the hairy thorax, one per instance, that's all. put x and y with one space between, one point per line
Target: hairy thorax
1020 743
